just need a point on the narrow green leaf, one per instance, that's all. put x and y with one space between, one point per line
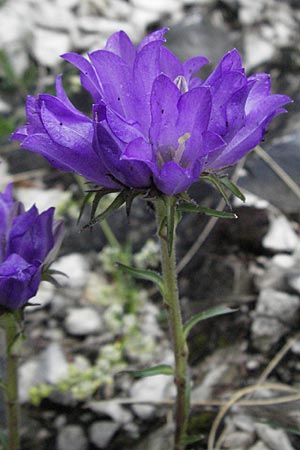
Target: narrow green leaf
232 188
86 199
215 181
162 369
188 440
144 274
218 311
98 196
117 202
190 207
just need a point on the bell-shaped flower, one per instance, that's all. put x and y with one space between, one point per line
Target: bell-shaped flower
154 123
29 241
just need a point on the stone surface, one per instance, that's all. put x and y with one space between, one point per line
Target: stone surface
72 437
53 365
101 433
275 439
83 321
281 236
48 45
76 268
275 313
152 389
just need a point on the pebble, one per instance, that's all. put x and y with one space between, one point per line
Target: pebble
83 321
53 365
275 313
76 268
117 413
72 437
275 439
150 389
281 237
101 433
47 45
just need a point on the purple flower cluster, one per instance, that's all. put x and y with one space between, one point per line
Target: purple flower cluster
28 243
154 122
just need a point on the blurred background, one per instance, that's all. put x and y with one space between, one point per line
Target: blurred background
99 322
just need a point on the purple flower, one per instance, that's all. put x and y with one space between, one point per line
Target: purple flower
28 241
153 122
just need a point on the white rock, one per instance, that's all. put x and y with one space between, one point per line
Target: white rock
205 389
279 305
257 50
67 4
166 6
115 411
259 446
281 236
101 433
103 26
43 199
5 108
274 438
72 437
75 266
53 365
154 388
52 16
294 281
238 440
43 297
48 45
275 313
83 321
140 18
28 377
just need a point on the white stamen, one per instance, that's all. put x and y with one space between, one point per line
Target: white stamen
181 83
180 149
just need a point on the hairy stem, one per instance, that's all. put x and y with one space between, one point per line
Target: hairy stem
10 326
171 300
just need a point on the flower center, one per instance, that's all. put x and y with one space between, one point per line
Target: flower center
170 153
181 83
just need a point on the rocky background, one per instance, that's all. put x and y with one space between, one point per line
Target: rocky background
81 336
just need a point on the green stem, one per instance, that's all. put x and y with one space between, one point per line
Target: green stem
113 241
10 325
171 299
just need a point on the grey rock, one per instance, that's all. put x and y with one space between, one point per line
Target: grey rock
281 236
53 16
259 446
166 6
240 440
261 179
116 412
76 268
257 50
53 365
205 389
275 313
152 389
101 433
201 37
5 108
161 439
72 437
279 305
28 376
83 321
48 44
275 439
